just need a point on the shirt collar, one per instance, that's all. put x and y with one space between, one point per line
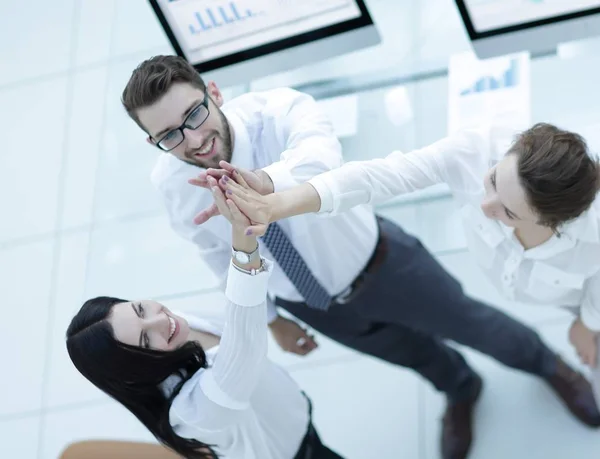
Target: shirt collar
214 326
584 228
551 247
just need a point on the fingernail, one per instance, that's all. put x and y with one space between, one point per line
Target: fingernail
225 178
214 189
229 192
248 232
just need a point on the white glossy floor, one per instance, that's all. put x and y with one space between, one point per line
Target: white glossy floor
79 218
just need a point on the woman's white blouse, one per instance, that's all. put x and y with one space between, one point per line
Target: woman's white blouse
564 271
243 405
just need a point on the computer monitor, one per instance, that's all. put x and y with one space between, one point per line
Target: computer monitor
498 27
236 41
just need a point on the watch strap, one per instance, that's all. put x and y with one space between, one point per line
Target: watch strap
252 256
253 271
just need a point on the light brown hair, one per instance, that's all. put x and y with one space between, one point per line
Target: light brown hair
558 174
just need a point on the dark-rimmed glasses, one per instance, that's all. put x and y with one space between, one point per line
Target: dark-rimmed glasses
194 120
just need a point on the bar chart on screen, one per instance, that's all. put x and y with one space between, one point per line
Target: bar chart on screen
206 23
507 79
482 91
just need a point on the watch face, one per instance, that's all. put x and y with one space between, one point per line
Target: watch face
242 257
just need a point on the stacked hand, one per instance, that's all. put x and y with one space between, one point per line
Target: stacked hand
239 196
257 181
247 189
227 207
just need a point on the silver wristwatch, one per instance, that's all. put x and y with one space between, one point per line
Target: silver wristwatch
245 258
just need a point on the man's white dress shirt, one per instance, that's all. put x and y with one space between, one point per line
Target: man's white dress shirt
283 132
564 271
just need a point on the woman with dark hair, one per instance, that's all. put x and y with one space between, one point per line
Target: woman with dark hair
203 392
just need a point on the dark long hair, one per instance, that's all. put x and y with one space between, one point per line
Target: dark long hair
133 375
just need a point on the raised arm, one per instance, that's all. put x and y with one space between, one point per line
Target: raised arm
243 346
216 395
449 160
372 182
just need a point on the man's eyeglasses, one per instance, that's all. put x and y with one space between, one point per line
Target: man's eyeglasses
194 120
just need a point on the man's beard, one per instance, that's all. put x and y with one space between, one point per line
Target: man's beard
227 148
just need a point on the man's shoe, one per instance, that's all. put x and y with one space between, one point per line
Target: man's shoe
576 393
457 425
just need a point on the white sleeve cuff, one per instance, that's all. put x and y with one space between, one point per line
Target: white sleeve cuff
323 188
280 176
246 289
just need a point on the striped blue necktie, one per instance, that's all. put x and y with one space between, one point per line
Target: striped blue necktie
295 268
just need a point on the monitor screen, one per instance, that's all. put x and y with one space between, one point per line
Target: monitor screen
498 27
212 34
487 17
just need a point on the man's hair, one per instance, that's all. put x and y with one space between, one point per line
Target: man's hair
153 78
557 172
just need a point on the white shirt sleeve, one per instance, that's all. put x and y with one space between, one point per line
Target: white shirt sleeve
214 397
450 160
590 308
311 146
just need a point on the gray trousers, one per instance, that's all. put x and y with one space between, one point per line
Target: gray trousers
403 313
